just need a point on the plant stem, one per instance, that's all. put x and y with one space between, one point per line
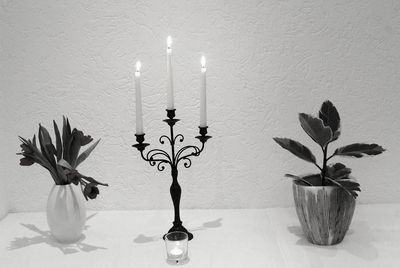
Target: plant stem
318 166
330 157
323 174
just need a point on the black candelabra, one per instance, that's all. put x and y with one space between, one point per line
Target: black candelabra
161 158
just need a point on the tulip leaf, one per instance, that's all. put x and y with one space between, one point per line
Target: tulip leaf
34 140
75 146
64 164
296 148
58 141
86 153
46 146
359 150
66 137
61 174
26 161
316 129
47 152
330 116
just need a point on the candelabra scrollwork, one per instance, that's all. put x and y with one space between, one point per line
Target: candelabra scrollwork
161 159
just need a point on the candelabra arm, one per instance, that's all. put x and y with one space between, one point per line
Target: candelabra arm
195 152
153 161
152 156
161 139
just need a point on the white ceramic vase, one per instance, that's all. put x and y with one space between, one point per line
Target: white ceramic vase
66 213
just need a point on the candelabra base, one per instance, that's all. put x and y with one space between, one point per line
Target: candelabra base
180 228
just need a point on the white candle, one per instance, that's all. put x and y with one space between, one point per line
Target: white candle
139 115
170 82
176 252
203 104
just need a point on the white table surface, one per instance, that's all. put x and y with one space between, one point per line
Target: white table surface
222 238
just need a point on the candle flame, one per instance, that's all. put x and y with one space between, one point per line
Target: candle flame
138 66
169 41
203 62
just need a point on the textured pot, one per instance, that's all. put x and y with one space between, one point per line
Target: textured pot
66 213
324 212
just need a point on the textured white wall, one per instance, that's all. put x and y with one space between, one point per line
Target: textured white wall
3 179
3 198
267 61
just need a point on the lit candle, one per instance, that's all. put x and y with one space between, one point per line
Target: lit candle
170 86
203 104
139 115
176 252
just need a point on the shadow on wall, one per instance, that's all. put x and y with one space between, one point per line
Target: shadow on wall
45 237
358 242
3 214
141 238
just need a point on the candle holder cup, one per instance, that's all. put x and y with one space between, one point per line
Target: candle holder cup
162 159
176 244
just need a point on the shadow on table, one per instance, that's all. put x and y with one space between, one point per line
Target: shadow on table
141 238
45 237
358 242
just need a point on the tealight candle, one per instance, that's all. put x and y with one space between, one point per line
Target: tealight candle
176 252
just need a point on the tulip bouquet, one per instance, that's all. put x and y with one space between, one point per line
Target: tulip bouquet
62 159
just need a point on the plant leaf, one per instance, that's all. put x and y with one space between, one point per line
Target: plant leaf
349 186
297 178
296 148
86 153
58 141
338 171
315 128
330 117
359 150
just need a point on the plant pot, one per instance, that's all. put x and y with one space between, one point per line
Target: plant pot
324 212
66 213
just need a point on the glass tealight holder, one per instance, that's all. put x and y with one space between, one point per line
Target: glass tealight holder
176 244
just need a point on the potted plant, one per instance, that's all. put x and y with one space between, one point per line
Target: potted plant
66 211
325 202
